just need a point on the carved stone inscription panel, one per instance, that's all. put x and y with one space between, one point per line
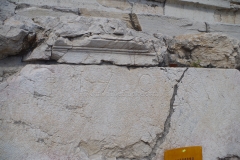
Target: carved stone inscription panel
81 105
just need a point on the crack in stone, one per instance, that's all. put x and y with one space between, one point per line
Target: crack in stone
164 4
207 27
161 137
230 157
167 124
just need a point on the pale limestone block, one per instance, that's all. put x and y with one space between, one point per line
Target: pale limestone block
206 113
108 110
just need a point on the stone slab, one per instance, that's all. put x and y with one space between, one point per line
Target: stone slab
107 109
108 112
169 25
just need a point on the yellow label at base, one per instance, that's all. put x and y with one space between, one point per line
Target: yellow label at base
185 153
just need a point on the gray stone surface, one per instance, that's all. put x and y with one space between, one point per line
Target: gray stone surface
13 40
108 112
228 29
170 25
23 23
6 10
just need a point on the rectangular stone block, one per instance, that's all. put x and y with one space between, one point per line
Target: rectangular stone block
110 112
170 25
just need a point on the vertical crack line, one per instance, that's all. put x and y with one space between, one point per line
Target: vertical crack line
164 4
161 137
207 27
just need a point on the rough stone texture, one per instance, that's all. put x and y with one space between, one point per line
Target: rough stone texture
206 113
6 10
86 40
107 110
13 40
205 50
120 6
98 112
111 100
23 23
130 19
90 40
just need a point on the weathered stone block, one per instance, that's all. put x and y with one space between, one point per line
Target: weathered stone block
89 112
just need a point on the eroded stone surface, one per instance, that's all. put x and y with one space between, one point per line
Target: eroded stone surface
22 22
109 111
98 112
206 113
13 40
205 50
6 10
87 40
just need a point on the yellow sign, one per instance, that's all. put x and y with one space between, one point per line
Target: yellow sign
185 153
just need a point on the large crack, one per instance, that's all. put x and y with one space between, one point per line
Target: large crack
161 137
207 27
164 4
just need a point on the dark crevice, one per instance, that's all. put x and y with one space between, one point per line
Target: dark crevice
167 124
164 4
230 157
207 27
161 137
133 17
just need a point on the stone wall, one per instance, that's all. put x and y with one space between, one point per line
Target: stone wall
119 79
